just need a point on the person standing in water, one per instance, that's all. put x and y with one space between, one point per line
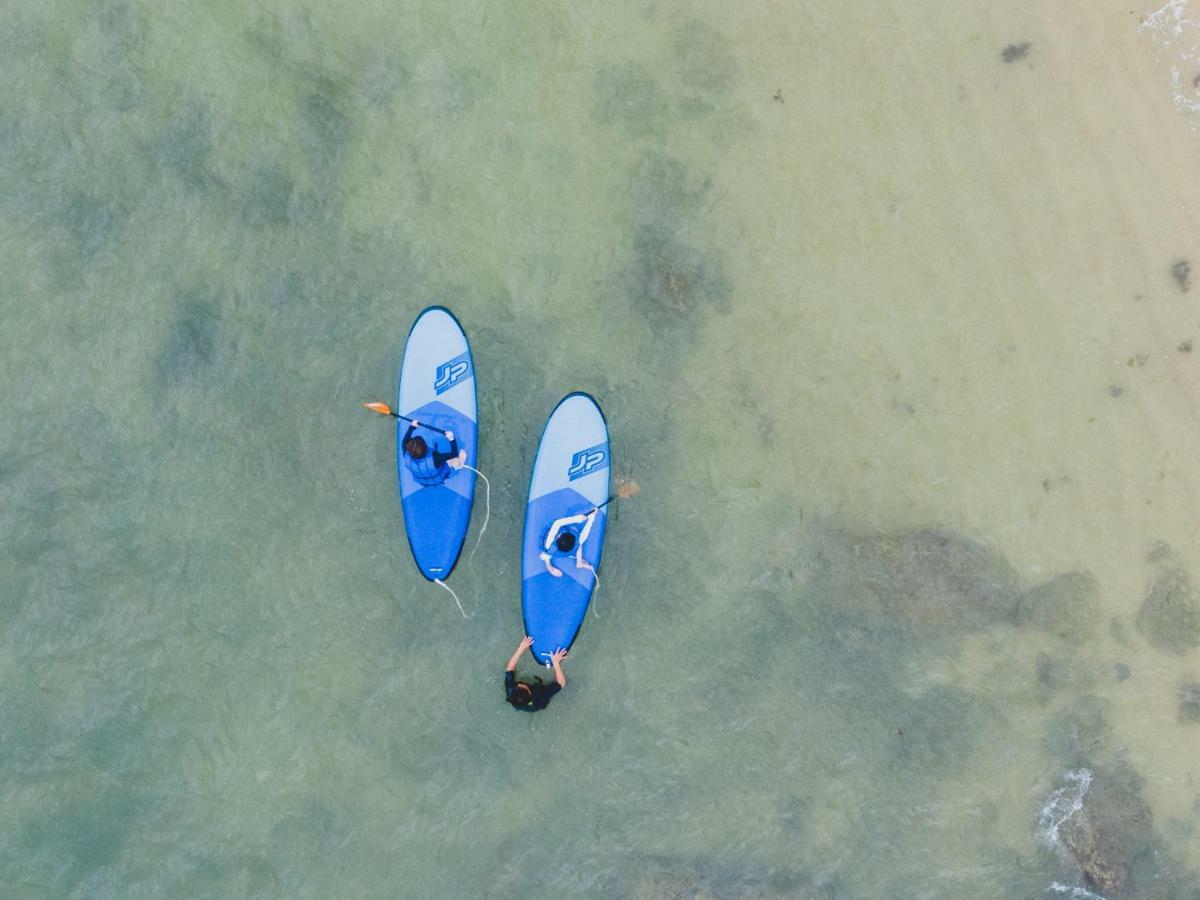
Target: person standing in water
428 465
531 697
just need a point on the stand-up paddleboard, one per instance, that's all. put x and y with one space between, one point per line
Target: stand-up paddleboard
437 387
570 477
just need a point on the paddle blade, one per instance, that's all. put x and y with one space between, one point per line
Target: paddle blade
381 408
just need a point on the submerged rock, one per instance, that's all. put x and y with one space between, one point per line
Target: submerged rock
1102 823
1170 614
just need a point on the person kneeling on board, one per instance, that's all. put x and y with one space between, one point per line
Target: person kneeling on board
532 697
563 540
430 466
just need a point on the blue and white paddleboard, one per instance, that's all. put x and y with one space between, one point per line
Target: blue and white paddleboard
570 477
437 387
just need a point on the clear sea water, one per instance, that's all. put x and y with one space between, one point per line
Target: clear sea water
891 311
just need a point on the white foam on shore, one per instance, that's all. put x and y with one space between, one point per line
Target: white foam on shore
1174 32
1062 804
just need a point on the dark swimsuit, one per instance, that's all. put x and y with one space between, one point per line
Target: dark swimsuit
439 458
541 692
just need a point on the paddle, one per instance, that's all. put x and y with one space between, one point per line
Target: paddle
384 410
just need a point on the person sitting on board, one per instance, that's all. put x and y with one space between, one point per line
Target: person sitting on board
531 697
430 466
563 540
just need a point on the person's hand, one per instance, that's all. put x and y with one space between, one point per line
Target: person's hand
557 657
415 423
526 643
557 573
449 435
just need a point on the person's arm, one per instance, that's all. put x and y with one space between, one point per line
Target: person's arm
526 643
556 659
440 458
558 525
583 536
409 433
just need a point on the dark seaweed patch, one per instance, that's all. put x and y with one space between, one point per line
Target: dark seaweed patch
381 79
669 275
269 197
326 125
1158 551
932 581
92 222
1170 614
190 346
705 61
185 145
1181 271
1189 702
461 88
1078 732
124 89
1066 606
674 276
1014 52
312 828
629 95
937 727
83 837
1049 674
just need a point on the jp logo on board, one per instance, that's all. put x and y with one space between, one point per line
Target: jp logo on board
451 373
585 462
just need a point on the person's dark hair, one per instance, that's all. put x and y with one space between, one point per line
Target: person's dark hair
565 542
522 694
415 447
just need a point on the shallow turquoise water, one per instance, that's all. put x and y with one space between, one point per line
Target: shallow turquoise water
857 625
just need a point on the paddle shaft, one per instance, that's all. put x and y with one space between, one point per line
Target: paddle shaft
419 425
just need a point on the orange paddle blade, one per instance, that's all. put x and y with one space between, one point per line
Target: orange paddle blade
381 408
